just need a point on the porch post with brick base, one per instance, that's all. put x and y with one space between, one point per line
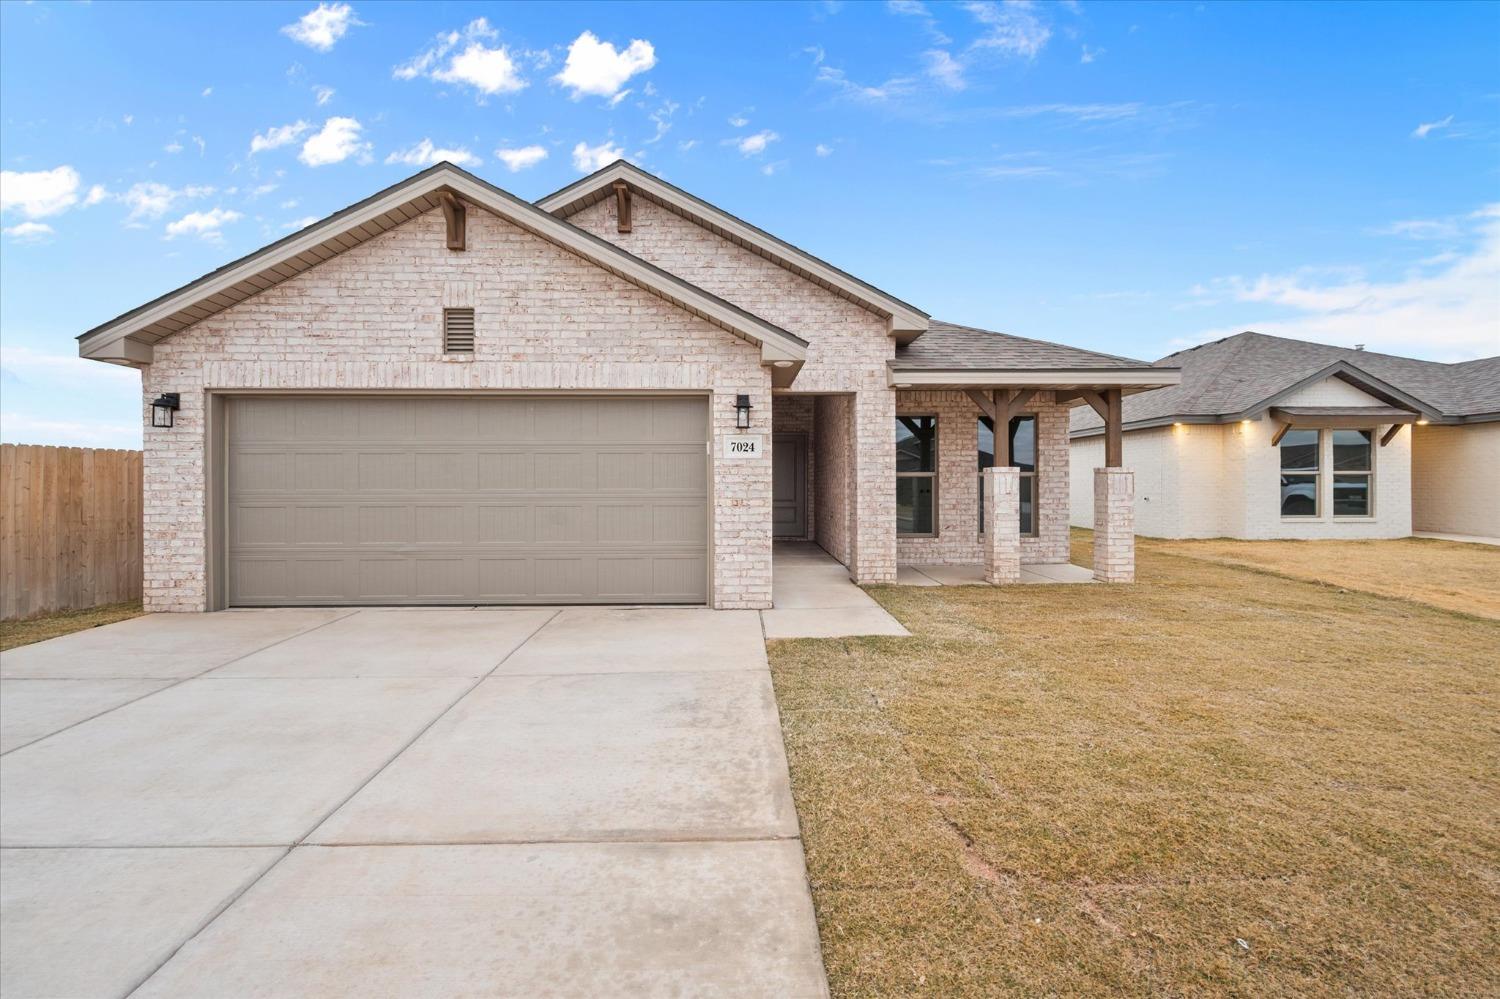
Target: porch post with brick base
1114 525
1002 525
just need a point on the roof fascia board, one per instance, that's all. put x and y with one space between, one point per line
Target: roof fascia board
1144 378
776 344
904 320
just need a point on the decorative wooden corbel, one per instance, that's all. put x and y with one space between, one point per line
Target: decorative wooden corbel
453 214
622 205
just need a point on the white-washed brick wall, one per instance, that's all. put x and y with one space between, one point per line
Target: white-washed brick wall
1455 474
793 414
370 319
1114 525
1180 487
833 418
958 541
848 350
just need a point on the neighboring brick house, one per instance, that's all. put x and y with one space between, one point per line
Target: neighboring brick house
618 394
1274 438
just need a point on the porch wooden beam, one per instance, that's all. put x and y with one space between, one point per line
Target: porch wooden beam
1114 437
1280 433
1017 402
453 215
622 205
1096 401
1000 423
1390 434
985 403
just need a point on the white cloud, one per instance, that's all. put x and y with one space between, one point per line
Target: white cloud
174 147
281 135
617 98
1446 306
589 158
39 193
301 223
738 121
23 428
323 95
773 168
322 26
31 381
205 225
687 145
28 232
823 149
260 190
1088 55
599 69
202 146
754 145
149 199
945 69
96 194
336 141
516 160
425 153
207 91
836 78
1012 27
487 70
1425 129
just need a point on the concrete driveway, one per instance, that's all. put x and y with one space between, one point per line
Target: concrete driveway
439 802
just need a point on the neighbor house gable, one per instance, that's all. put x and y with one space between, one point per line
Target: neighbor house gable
622 180
130 338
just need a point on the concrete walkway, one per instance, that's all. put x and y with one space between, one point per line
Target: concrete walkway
813 597
401 802
1469 539
973 575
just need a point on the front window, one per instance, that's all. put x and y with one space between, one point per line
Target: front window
1022 456
916 476
1301 468
1353 472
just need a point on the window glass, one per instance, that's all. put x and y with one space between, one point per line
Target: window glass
1299 495
1023 443
1299 451
1351 495
1022 456
986 444
914 505
1028 513
916 440
1351 450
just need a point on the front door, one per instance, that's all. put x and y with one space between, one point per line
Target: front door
789 485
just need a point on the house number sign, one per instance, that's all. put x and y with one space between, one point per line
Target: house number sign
743 447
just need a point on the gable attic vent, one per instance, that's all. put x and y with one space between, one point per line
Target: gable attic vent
458 331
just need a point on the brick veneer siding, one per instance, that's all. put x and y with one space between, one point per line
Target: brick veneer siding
958 541
1455 479
1114 525
833 420
793 414
370 318
848 350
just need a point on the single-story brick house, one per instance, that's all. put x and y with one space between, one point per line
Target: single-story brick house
617 394
1274 438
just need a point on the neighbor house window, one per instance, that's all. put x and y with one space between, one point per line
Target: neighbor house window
1353 473
1301 467
916 475
1022 456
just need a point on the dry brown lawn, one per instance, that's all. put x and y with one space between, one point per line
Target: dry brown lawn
14 634
1448 574
1200 784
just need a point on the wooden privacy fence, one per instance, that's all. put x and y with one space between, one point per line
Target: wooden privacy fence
70 528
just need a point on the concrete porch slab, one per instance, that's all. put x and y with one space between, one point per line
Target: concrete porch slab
1468 539
414 642
642 639
537 920
1056 572
165 646
953 575
213 762
586 757
97 922
831 622
813 597
910 575
973 574
32 709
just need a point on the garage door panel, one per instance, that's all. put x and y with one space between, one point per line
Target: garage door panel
527 500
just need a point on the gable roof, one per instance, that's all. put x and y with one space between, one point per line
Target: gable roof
128 339
1240 376
907 322
951 352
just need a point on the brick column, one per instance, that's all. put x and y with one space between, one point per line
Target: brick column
1002 525
873 483
1114 525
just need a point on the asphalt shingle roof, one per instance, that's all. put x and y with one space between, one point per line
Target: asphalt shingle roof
1238 373
949 345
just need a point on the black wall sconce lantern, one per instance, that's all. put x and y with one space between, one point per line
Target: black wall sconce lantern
742 412
164 408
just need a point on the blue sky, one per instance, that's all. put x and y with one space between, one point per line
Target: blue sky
1127 177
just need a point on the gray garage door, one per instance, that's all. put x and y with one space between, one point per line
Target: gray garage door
480 499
